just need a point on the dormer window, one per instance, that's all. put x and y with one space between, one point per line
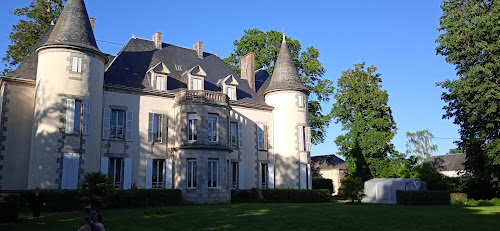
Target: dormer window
197 84
231 92
196 78
228 86
158 75
160 83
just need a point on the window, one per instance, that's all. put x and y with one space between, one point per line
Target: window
197 84
233 134
212 127
160 83
212 173
261 137
301 100
264 175
192 127
231 93
77 119
117 124
304 138
235 175
76 65
191 173
157 181
157 128
240 135
115 171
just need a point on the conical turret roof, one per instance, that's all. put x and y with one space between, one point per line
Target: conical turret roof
285 75
73 28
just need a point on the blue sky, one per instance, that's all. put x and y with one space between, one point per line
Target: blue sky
398 37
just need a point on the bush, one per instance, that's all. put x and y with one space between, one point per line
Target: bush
144 198
55 200
492 202
9 207
95 189
422 197
458 199
323 183
352 187
296 195
245 195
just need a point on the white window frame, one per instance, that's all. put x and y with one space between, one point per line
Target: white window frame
158 125
235 167
233 134
76 64
261 137
231 92
210 129
302 102
196 83
113 163
192 127
213 173
113 133
161 86
191 174
160 173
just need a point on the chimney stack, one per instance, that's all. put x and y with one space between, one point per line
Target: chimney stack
157 40
247 64
198 47
92 22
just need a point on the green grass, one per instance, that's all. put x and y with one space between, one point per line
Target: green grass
264 216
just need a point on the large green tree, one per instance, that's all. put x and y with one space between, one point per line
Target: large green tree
362 109
470 40
266 46
420 144
35 19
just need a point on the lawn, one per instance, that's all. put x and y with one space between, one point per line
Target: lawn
264 216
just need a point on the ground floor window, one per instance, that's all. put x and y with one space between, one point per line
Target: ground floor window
212 173
158 181
115 171
264 175
235 175
191 173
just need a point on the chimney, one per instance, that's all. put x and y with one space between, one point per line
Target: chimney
92 22
247 64
157 40
198 47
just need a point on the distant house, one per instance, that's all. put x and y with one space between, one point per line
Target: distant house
329 167
451 165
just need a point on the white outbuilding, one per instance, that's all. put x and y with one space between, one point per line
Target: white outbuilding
383 190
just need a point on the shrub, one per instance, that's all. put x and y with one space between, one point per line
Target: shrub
95 189
352 187
144 198
458 199
492 202
9 206
422 197
322 183
296 195
55 200
245 195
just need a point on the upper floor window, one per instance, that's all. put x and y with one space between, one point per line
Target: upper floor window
212 173
117 124
77 116
192 127
231 93
232 133
302 101
261 137
77 121
197 84
160 83
212 127
304 138
76 64
157 127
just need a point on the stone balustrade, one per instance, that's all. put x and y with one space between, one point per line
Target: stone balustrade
201 96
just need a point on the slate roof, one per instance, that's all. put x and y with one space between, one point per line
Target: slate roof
73 28
450 162
285 75
129 68
327 162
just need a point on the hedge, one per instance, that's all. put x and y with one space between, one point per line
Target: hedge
422 197
296 195
322 183
9 209
458 198
67 200
245 195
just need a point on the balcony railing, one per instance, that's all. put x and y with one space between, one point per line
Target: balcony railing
201 96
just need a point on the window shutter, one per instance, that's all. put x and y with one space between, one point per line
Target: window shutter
86 117
300 134
265 136
168 173
149 173
241 175
106 122
129 129
164 132
240 135
74 64
308 139
104 165
70 116
270 170
70 171
79 61
260 137
301 101
127 173
150 127
303 178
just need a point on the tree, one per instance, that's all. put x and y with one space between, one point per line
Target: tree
95 189
420 144
469 40
362 110
455 151
266 46
35 19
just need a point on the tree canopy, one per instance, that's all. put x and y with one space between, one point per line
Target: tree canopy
266 46
470 41
420 144
35 19
362 109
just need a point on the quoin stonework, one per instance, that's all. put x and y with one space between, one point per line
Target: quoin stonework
155 115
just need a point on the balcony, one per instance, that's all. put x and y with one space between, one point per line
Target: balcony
201 96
